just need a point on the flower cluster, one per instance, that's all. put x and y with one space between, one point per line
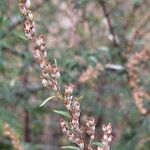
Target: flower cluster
76 133
91 73
90 127
72 105
90 130
73 131
50 74
107 137
12 135
75 16
71 134
139 94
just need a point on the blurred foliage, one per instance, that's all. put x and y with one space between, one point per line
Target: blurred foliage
108 96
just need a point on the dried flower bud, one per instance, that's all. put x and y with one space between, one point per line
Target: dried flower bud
43 63
36 54
23 9
30 16
54 86
29 29
45 75
69 89
55 75
44 82
27 3
40 41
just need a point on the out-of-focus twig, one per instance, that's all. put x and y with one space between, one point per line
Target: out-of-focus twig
142 142
14 52
138 32
8 131
107 16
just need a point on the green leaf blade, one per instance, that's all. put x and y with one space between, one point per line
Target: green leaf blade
64 113
71 147
48 99
98 144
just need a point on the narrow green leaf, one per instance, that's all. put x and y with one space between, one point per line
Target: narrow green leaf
55 61
64 113
79 98
71 147
21 35
98 144
48 99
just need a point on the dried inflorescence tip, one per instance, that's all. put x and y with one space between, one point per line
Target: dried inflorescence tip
29 29
139 94
50 72
12 135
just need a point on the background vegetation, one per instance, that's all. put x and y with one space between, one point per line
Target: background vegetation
91 42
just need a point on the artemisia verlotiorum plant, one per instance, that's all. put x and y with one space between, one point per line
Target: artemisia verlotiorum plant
50 73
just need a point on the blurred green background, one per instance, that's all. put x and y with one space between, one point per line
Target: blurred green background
89 41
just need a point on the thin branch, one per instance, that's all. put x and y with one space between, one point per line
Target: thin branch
107 16
14 52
